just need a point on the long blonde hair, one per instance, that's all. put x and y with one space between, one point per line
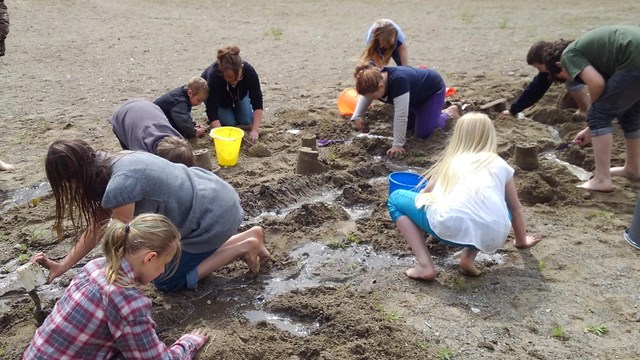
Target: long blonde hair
473 135
381 30
152 232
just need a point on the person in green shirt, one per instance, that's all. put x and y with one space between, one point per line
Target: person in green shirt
607 60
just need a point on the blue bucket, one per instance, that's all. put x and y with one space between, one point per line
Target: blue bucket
405 181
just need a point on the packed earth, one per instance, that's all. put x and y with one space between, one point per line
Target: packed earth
335 287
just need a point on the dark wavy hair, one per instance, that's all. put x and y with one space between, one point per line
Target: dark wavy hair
78 180
552 56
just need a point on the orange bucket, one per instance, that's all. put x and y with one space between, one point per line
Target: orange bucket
347 101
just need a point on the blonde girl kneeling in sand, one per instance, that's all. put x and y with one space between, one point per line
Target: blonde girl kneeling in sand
464 202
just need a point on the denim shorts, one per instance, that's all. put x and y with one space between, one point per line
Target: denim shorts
403 203
620 99
186 272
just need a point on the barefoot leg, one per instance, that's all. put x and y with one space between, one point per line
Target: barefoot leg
246 250
601 180
467 260
424 270
631 168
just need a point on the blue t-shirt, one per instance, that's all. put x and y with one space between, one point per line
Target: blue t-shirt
205 209
399 40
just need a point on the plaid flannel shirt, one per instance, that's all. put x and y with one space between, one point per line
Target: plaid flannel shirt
97 320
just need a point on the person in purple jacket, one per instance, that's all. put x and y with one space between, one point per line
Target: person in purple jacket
417 95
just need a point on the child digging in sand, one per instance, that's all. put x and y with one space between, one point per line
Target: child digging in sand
90 186
104 314
463 203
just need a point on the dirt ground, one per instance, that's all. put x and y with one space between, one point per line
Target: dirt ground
335 288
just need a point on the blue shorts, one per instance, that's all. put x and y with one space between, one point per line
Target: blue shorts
186 273
403 203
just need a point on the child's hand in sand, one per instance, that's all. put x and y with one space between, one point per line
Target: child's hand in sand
529 241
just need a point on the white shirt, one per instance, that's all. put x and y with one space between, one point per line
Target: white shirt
475 211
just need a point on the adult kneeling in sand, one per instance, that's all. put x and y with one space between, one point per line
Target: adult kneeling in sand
90 186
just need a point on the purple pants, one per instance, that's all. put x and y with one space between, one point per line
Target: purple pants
428 116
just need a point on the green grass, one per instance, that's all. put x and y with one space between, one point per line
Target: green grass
597 329
337 244
460 284
275 32
504 23
388 316
558 332
423 345
353 238
541 265
445 353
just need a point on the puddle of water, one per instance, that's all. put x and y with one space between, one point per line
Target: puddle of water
320 265
371 136
555 135
581 173
327 197
294 131
355 212
17 197
281 322
359 212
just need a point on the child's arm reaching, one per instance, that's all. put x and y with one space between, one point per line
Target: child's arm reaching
141 342
87 241
518 222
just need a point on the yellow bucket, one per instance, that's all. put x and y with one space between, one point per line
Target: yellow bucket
227 141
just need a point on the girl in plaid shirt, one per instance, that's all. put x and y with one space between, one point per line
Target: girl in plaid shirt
104 314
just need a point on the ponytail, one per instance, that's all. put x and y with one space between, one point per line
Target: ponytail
368 78
153 232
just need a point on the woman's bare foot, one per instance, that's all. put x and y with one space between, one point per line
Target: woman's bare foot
624 172
598 185
6 167
421 273
529 241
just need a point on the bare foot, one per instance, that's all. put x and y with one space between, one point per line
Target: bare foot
6 167
597 185
469 268
622 171
263 253
420 273
529 241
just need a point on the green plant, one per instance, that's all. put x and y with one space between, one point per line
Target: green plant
558 332
423 345
36 235
23 258
353 266
332 156
460 284
541 265
275 32
503 24
597 329
353 238
35 201
337 244
467 17
445 353
388 316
